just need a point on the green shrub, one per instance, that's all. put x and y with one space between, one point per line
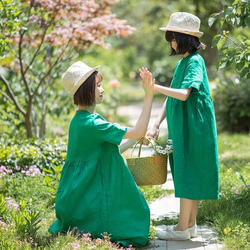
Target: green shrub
232 105
18 155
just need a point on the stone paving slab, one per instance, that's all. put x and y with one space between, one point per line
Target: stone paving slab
206 240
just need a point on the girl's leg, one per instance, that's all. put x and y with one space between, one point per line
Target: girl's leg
188 212
192 217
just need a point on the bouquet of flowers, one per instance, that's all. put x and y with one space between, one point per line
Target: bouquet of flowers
165 151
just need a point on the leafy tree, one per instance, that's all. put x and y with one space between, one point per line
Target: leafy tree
50 33
149 43
8 22
233 51
231 96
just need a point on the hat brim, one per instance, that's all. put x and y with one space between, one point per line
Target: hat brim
184 31
82 80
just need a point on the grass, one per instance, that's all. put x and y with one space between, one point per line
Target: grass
230 214
27 205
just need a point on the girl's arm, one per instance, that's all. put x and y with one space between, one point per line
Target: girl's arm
181 94
154 130
142 123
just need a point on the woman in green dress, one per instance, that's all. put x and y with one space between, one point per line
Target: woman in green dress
97 193
191 126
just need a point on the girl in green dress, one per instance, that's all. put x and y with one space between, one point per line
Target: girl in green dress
97 193
191 126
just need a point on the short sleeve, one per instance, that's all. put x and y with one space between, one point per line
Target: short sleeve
193 75
109 132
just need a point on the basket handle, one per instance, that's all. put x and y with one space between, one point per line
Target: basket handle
151 140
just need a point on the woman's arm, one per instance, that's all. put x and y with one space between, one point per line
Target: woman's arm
181 94
142 123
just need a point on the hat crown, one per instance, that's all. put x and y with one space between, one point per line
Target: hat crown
184 20
76 75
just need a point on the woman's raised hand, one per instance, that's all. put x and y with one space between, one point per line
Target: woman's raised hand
147 82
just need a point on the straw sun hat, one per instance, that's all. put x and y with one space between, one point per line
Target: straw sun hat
76 75
184 22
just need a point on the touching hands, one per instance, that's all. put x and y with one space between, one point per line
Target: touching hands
147 82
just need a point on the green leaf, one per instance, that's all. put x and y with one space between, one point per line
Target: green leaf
48 171
212 19
241 177
247 21
216 40
240 66
223 63
231 21
221 43
244 72
247 56
227 10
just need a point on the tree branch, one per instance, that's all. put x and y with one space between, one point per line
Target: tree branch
21 64
11 96
36 52
1 92
50 69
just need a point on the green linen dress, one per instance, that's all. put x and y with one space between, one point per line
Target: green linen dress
191 126
97 192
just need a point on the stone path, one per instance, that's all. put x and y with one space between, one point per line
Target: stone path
169 206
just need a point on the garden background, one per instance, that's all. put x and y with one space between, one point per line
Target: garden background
40 39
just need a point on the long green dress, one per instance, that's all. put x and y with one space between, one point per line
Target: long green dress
191 126
97 192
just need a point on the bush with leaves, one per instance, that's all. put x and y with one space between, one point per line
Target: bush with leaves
18 155
9 22
233 51
232 105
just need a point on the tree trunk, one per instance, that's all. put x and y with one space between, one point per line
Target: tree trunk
43 123
28 125
197 7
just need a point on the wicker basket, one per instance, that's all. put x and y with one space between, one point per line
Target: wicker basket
150 170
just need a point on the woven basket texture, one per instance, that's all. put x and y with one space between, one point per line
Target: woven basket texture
148 170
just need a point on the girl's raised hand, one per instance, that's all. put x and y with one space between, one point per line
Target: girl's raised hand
147 82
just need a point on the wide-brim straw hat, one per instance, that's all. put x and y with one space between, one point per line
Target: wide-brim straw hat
76 75
184 22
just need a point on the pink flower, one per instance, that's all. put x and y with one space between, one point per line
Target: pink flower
2 168
114 83
75 245
28 173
